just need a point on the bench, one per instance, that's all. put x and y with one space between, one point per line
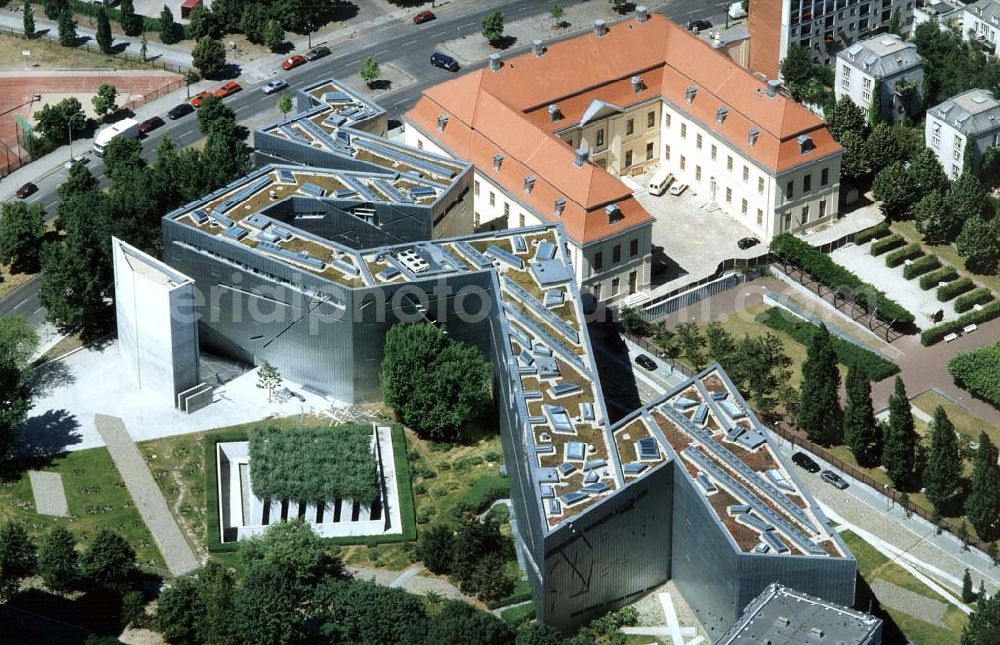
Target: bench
976 307
950 337
968 329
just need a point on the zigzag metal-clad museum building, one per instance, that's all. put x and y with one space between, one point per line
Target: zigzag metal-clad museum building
341 233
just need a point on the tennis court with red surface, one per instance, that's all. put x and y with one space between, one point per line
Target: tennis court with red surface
23 93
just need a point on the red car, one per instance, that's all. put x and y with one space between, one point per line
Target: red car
150 124
293 61
230 88
423 16
196 101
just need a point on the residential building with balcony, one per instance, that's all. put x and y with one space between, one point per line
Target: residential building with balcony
981 24
824 27
886 68
948 13
960 130
551 132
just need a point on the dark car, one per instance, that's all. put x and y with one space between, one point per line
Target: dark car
423 16
645 363
444 61
180 110
26 190
804 461
150 124
747 242
833 479
317 52
699 24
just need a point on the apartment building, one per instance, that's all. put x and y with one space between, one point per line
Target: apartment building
961 129
551 132
981 23
887 65
824 27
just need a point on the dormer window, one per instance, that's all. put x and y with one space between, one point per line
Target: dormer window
442 121
690 93
752 136
497 160
637 85
529 183
806 144
554 113
560 206
720 115
614 213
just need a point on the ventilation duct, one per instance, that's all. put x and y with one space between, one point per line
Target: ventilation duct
537 48
581 156
495 63
772 88
720 115
529 183
554 113
637 85
560 205
497 160
752 136
690 93
600 27
442 121
641 13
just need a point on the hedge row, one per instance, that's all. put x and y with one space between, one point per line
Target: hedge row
978 372
213 530
956 288
931 280
887 244
149 25
980 296
875 366
875 232
835 276
936 333
909 252
921 266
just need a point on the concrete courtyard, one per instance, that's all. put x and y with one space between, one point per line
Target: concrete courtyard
94 381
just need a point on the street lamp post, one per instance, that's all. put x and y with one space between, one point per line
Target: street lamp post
69 131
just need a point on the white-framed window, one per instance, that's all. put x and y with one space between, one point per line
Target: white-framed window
845 78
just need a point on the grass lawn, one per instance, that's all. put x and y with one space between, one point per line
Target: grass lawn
50 55
947 254
519 614
872 565
97 497
965 422
10 281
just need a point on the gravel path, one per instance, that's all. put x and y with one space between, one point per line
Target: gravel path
412 582
909 602
147 495
50 496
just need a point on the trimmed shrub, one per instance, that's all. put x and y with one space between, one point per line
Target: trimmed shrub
921 266
980 296
936 333
835 276
931 280
887 244
875 366
484 491
874 233
978 372
956 288
909 252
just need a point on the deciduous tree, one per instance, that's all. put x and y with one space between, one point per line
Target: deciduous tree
895 192
819 411
273 34
209 56
899 450
57 560
53 120
18 558
934 218
108 561
253 21
268 378
979 244
285 104
204 23
18 342
854 164
927 173
106 100
55 8
436 548
21 231
492 27
294 548
692 344
883 147
370 71
721 346
846 117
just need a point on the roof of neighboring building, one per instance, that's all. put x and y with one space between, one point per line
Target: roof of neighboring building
783 615
971 112
882 56
987 10
506 112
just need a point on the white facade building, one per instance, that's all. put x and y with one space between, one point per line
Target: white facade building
885 63
981 23
960 130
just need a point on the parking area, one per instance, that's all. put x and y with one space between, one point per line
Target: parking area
695 239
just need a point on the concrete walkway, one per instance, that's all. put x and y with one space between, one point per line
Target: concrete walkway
148 498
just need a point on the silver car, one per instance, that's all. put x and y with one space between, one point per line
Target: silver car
274 86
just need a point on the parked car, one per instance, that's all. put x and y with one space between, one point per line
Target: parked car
677 189
230 88
150 124
79 159
274 86
833 479
645 362
317 52
804 461
26 190
293 61
423 16
196 101
180 110
699 24
444 61
747 242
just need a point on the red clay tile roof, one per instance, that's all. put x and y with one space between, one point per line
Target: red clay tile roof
506 112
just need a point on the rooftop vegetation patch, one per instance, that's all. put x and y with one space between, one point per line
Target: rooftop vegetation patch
313 465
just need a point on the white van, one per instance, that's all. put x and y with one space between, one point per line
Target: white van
660 181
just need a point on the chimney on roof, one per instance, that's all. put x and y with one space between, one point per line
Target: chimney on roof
497 160
442 121
582 155
637 85
641 13
560 205
529 183
720 115
600 27
689 94
816 632
537 48
495 63
554 113
772 88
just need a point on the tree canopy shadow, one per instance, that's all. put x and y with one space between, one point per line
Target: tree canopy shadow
50 376
48 433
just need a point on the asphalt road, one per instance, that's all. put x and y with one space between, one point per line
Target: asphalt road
400 42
